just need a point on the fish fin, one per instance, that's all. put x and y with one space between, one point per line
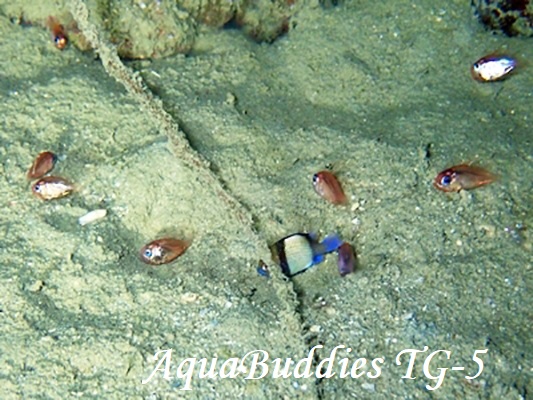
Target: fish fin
331 243
263 272
318 258
312 236
262 269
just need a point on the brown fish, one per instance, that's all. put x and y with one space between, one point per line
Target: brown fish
163 251
346 260
43 164
59 34
463 177
328 187
52 187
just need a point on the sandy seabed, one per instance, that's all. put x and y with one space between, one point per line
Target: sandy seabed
379 92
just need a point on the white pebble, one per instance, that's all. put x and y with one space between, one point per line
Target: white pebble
92 216
369 386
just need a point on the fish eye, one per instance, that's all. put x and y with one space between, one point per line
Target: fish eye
315 178
147 253
37 188
446 180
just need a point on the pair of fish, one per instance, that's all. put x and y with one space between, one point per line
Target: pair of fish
454 179
47 187
490 68
298 252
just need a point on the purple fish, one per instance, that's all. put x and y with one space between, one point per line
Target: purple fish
346 259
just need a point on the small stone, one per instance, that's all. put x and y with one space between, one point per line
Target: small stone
92 216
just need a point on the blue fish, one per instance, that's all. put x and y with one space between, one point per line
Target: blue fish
298 252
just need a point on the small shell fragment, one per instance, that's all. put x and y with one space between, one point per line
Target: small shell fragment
43 164
92 216
52 187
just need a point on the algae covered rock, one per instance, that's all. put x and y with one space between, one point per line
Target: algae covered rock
149 30
511 17
265 20
261 20
156 29
213 13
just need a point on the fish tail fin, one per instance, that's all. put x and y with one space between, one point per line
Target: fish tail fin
331 243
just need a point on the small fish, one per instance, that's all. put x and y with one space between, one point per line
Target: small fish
346 260
43 164
493 68
52 187
328 187
463 177
297 252
59 34
163 251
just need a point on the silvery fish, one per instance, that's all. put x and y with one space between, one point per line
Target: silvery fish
52 187
492 68
298 252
